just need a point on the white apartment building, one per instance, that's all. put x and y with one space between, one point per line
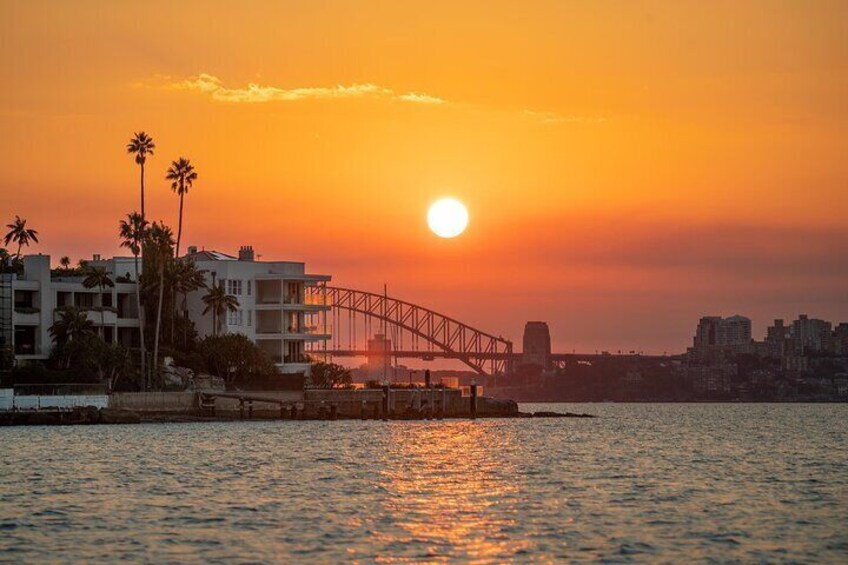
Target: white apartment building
36 297
281 308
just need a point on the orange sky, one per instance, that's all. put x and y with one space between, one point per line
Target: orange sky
628 166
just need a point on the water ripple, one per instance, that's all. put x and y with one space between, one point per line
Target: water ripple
658 483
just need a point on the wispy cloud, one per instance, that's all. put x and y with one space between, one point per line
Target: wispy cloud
255 93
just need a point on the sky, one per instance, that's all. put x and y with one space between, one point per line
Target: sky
628 167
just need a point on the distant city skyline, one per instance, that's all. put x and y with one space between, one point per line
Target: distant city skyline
627 169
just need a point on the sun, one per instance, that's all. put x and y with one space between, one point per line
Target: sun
447 217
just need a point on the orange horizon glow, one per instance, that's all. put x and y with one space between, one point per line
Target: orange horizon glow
629 167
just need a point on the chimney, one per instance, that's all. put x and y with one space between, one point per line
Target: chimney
192 249
96 257
246 253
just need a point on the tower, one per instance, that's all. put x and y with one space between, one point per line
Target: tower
537 345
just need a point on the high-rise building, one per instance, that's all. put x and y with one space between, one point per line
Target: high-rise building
735 330
811 334
715 331
777 338
840 339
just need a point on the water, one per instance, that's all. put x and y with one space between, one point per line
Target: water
642 483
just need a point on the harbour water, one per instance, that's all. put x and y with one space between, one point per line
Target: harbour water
640 483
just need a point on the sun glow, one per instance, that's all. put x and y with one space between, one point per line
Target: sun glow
447 217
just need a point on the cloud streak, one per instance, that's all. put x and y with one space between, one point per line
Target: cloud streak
253 93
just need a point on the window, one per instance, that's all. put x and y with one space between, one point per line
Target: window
234 318
249 287
234 287
249 312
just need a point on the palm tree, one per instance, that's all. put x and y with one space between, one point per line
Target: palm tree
186 278
20 234
132 234
141 145
219 303
98 277
65 262
158 250
72 324
182 175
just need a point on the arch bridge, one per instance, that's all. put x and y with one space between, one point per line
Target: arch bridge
414 331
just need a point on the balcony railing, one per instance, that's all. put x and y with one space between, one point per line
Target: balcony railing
297 358
323 329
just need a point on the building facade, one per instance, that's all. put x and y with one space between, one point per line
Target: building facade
38 296
282 308
715 332
811 334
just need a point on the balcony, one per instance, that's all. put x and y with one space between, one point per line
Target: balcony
27 315
309 332
97 315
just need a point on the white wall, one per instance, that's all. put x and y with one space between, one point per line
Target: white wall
7 398
36 402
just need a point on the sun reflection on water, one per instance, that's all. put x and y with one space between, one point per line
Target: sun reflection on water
443 485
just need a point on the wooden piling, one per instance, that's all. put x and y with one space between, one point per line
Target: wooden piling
241 409
386 391
333 411
363 410
249 409
473 400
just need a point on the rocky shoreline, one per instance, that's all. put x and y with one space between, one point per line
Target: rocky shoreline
91 415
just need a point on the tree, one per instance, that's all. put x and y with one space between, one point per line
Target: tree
234 358
132 234
20 234
186 278
98 277
219 303
65 262
329 375
158 249
182 175
141 145
88 356
72 325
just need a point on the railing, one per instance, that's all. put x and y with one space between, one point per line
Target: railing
300 358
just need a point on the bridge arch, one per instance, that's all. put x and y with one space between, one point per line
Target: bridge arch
442 335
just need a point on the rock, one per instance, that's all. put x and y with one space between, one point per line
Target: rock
544 414
494 407
118 416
